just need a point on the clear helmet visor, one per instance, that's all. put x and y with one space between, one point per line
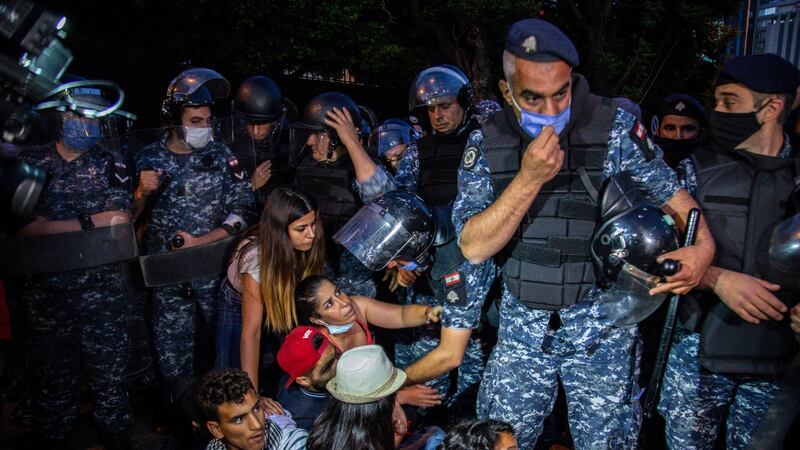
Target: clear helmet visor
434 83
373 236
628 301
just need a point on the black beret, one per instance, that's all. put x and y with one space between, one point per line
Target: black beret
683 105
537 40
767 74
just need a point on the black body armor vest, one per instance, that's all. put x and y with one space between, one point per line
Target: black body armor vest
547 264
743 197
439 158
331 184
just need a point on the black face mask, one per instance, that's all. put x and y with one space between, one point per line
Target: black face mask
676 150
731 129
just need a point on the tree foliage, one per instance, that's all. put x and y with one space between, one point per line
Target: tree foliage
640 49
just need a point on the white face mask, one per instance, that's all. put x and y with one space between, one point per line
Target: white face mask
338 329
197 138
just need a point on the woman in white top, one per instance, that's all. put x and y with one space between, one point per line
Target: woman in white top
286 246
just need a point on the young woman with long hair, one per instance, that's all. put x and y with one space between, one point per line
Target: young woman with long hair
345 319
286 246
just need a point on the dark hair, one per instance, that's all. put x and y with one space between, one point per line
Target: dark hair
219 387
280 265
305 298
475 435
365 426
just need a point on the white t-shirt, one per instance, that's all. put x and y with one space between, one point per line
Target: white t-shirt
249 265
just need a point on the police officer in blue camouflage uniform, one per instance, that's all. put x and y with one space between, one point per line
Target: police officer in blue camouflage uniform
428 168
77 317
527 193
205 197
734 341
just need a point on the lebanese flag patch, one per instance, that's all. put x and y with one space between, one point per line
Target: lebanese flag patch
640 131
452 278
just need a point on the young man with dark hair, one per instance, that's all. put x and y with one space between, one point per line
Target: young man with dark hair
232 411
309 359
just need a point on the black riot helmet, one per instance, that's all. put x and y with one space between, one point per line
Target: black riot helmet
193 87
632 231
396 225
258 99
314 114
440 81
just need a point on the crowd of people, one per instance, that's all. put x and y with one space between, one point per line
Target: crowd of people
329 281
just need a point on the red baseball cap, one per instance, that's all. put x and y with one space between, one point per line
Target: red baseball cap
298 354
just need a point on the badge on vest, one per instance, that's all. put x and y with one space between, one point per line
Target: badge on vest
237 172
638 135
470 156
455 289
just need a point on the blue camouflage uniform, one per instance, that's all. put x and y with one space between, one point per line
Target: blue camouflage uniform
207 191
597 364
77 318
694 401
471 282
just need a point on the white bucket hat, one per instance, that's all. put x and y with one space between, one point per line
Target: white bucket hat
365 374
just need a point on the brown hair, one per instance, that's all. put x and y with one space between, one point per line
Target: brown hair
280 265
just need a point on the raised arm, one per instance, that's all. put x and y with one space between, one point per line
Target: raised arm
486 233
388 315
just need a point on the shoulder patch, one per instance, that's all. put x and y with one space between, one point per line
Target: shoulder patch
470 156
455 289
638 135
236 170
119 175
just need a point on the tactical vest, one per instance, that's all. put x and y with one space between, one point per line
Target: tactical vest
331 185
282 173
439 158
547 263
743 197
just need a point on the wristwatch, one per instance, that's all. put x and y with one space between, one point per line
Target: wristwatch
85 221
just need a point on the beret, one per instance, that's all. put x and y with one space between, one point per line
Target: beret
537 40
683 105
766 73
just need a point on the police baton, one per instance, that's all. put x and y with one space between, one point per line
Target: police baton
654 386
150 203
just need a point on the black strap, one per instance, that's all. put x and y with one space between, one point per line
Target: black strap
557 250
587 184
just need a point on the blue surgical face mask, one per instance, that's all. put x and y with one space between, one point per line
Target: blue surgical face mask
338 329
533 123
80 135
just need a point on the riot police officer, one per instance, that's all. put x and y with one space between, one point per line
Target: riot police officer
326 171
734 339
260 135
528 186
678 127
74 291
198 195
443 96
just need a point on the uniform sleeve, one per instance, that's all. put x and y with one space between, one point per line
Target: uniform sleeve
120 191
240 209
408 170
630 149
475 189
687 176
377 185
477 280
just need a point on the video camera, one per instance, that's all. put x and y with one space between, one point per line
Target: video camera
32 62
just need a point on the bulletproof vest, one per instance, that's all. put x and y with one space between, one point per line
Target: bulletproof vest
331 185
282 173
547 263
743 197
439 158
